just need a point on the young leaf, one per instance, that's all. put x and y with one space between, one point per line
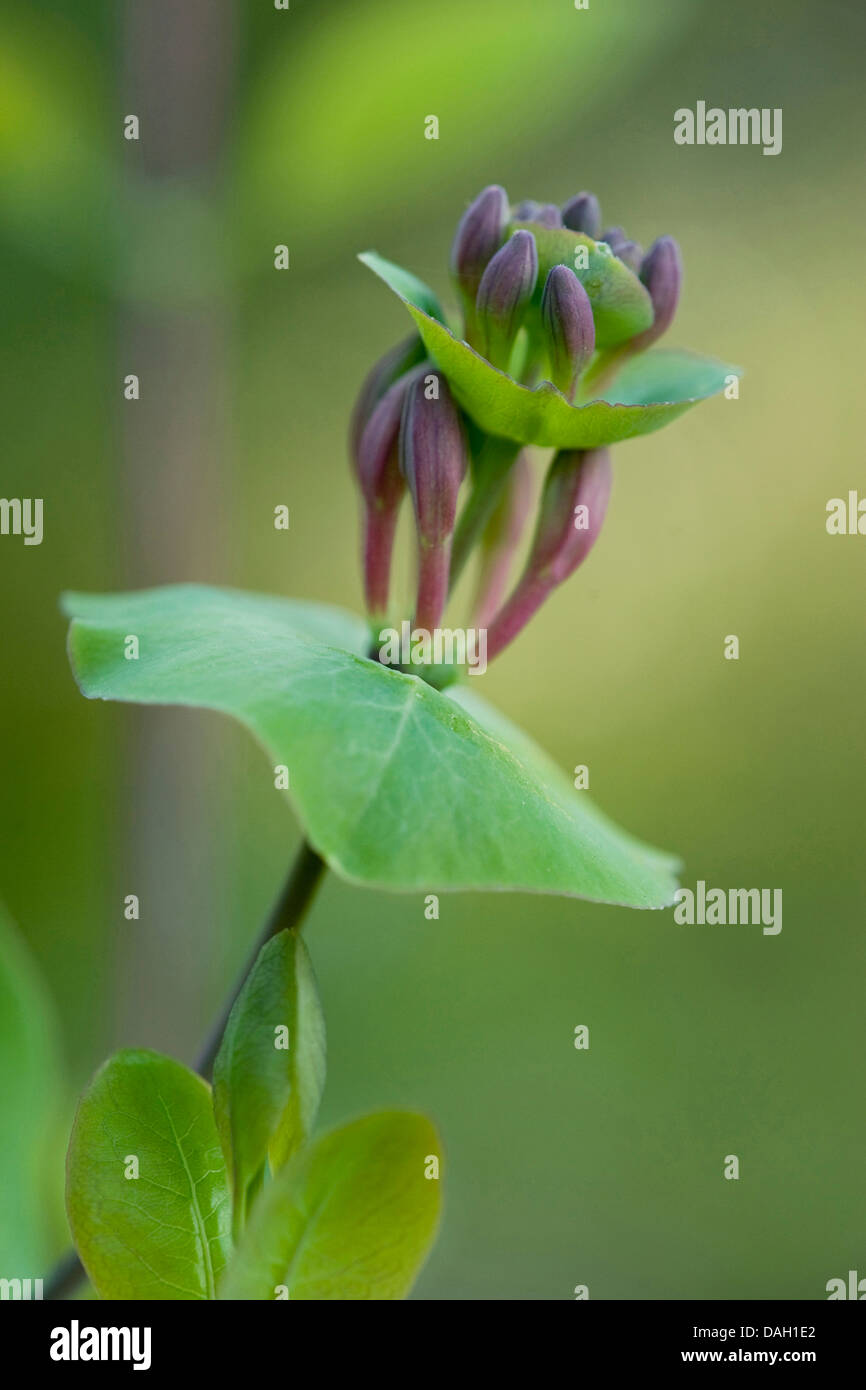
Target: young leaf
147 1191
621 306
29 1095
270 1069
352 1217
397 786
653 390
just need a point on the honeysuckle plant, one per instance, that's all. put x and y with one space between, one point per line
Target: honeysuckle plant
403 777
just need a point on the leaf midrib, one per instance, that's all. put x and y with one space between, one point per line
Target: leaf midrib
210 1277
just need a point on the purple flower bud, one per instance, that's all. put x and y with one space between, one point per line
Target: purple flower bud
573 505
503 295
433 458
569 329
479 236
545 214
382 487
662 272
631 254
623 247
583 214
386 371
501 538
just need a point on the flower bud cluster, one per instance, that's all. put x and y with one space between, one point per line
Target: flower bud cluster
409 438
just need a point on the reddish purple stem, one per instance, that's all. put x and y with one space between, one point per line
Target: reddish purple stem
380 526
434 564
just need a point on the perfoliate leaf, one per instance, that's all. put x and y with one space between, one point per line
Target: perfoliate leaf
270 1069
668 374
652 390
147 1190
398 785
621 306
351 1217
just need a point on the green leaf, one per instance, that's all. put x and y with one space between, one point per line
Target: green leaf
396 784
350 1218
405 284
266 1096
672 382
668 374
29 1088
164 1234
621 306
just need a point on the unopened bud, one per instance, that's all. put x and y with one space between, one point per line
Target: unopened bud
386 371
573 506
433 459
382 487
503 295
625 250
545 214
662 273
479 236
569 329
583 214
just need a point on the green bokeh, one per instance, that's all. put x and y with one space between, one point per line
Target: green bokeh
563 1167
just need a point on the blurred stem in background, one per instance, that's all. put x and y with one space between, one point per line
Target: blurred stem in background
176 75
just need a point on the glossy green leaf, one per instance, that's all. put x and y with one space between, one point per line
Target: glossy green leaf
352 1217
397 786
270 1070
29 1097
654 389
164 1234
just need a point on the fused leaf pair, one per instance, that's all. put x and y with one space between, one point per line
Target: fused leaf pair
397 785
649 391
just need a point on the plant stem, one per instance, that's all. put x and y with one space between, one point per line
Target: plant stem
489 477
288 912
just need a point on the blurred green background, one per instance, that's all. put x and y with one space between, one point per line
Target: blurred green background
306 128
